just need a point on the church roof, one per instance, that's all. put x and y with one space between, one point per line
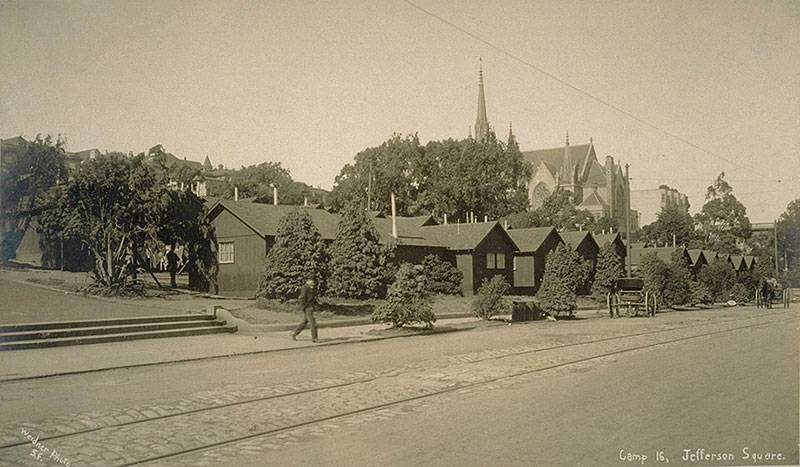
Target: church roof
553 158
596 174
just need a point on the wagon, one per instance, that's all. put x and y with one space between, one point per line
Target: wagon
629 295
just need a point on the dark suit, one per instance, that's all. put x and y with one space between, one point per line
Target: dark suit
308 300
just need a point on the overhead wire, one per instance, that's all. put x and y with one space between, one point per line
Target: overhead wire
575 88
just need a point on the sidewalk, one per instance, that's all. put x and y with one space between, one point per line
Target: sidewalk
36 363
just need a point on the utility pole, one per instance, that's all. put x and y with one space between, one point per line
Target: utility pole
628 220
775 235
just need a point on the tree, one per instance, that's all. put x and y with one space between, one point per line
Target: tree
562 275
443 277
788 226
655 274
26 181
558 210
719 277
607 271
453 178
359 265
114 205
677 288
298 254
258 181
723 219
605 224
673 223
408 299
490 301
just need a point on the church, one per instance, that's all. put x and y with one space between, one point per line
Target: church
600 188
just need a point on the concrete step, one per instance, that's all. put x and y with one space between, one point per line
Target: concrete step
55 332
122 336
102 322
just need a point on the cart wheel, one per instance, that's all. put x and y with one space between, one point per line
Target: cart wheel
612 299
650 304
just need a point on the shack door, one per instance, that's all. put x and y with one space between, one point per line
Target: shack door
464 264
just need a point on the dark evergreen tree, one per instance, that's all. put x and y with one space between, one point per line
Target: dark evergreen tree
562 275
677 287
608 270
655 274
298 254
489 301
719 277
359 265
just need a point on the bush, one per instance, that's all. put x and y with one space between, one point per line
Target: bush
609 269
719 277
359 267
298 253
699 293
490 301
561 278
741 294
443 277
408 300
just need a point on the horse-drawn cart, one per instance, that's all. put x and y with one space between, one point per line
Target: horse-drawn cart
629 295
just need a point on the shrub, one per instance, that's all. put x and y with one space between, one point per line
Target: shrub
699 293
490 301
609 269
443 277
298 253
359 267
408 300
561 278
719 277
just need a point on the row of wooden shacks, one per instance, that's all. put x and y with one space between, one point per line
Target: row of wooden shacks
246 231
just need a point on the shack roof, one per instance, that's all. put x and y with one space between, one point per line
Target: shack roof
460 237
531 239
264 218
576 239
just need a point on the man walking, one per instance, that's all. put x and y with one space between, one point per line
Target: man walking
172 266
308 300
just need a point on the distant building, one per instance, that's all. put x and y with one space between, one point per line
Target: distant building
650 202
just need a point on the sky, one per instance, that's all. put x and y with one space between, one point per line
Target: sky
679 90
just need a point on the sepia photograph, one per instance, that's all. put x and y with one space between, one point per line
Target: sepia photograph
399 233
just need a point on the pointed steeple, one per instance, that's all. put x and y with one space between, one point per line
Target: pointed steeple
481 122
207 164
567 167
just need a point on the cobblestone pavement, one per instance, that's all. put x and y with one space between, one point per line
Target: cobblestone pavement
212 426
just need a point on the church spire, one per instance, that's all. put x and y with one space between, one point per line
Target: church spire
567 169
481 122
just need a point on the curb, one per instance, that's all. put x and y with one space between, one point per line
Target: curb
334 323
239 354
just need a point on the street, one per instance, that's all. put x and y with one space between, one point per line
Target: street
582 392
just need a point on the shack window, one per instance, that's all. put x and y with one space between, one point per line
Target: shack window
501 261
495 260
490 263
226 252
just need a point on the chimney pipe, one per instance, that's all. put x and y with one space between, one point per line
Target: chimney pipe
458 227
305 201
236 193
445 218
394 218
674 241
274 195
485 218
